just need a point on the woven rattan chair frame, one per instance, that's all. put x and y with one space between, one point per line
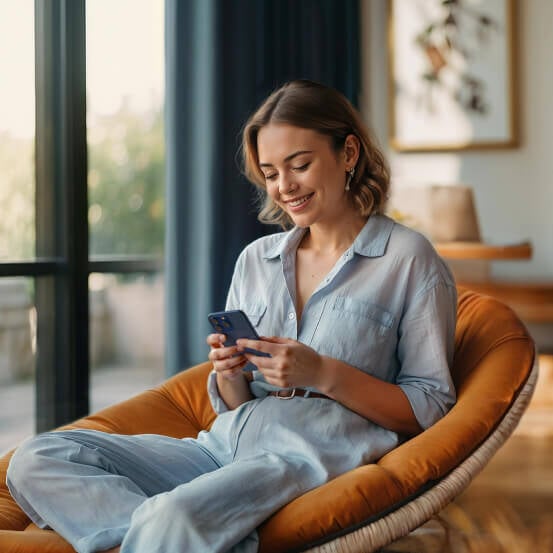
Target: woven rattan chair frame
411 515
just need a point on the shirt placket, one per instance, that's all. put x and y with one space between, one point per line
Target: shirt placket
291 323
314 307
327 281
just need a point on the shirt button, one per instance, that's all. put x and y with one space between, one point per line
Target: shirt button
291 316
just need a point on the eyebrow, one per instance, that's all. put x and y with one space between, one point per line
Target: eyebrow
288 158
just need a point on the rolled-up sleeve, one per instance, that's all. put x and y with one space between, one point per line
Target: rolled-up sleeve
219 406
425 352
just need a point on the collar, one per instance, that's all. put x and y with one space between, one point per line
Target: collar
370 242
289 240
374 236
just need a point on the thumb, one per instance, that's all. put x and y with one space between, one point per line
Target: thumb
277 340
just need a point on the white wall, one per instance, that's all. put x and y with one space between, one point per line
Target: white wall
513 188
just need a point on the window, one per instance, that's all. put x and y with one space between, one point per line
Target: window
114 202
17 360
125 126
17 224
125 93
126 335
17 130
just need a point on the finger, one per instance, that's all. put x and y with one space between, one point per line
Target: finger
216 340
277 340
233 373
275 378
232 364
258 345
221 352
262 363
236 369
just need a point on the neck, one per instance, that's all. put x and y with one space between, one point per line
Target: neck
335 238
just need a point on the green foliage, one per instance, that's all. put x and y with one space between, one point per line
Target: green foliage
125 187
126 183
16 197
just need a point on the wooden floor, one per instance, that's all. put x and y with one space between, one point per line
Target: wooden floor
517 483
519 479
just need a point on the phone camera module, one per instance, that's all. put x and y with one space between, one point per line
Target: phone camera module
225 322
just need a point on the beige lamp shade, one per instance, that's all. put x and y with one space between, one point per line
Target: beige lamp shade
442 213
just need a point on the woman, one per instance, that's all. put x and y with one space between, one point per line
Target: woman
358 316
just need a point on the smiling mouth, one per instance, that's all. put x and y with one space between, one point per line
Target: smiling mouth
299 201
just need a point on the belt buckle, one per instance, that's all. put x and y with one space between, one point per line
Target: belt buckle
285 397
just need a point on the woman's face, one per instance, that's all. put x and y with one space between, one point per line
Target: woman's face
303 174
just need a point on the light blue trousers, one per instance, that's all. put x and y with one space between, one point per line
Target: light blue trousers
155 494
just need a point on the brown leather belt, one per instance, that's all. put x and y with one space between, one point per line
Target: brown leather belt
296 392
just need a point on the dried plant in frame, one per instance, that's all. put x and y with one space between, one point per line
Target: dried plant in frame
452 74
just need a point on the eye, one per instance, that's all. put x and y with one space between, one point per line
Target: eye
303 167
272 176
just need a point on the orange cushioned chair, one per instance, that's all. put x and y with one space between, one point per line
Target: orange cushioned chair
372 505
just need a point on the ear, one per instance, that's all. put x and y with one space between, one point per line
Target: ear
351 150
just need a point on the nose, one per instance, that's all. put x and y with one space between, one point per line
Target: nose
286 185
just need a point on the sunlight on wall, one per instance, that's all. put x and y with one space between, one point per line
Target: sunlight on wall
414 171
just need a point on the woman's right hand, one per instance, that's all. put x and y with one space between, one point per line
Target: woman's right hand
231 382
226 362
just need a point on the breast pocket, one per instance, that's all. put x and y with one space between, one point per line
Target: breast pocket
255 313
357 332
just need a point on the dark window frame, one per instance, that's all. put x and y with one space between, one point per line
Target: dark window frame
63 264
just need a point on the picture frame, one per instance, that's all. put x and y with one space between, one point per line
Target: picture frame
452 75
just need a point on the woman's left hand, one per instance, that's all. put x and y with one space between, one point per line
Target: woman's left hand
291 365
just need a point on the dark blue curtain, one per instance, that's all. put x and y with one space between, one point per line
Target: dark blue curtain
223 57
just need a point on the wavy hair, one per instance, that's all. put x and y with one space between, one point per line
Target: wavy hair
310 105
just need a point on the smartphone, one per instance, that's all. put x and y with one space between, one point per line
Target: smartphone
234 325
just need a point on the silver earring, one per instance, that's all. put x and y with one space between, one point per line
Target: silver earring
351 173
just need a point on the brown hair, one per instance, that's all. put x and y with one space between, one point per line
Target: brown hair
311 105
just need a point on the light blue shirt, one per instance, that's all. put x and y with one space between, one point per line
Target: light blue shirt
388 308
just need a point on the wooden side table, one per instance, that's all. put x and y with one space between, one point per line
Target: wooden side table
469 261
480 250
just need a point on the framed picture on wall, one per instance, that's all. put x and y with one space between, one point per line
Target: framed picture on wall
452 74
